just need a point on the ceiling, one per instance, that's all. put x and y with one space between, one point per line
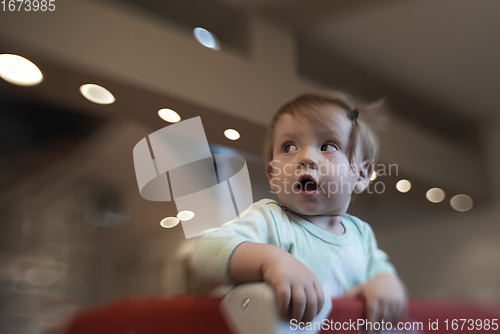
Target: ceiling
436 63
440 50
442 55
437 49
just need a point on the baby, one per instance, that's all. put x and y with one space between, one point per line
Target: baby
320 153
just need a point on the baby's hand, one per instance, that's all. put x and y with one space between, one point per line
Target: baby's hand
385 297
299 293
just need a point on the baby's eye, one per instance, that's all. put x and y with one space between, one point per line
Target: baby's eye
289 148
329 147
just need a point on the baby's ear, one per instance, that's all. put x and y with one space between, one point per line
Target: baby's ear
269 174
364 175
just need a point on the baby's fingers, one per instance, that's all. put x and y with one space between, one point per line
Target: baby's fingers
386 312
320 294
284 296
373 310
311 304
390 311
397 310
298 302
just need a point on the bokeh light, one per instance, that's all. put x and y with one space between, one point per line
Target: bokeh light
206 38
19 70
435 195
232 134
461 202
403 186
185 215
169 115
97 94
169 222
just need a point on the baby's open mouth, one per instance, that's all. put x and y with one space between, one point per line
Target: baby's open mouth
307 184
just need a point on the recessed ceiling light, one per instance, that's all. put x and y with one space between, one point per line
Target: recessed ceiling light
374 176
169 222
19 70
97 94
232 134
461 202
403 186
206 38
435 195
185 215
169 115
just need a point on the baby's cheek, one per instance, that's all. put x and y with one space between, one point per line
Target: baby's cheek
347 186
276 184
336 188
343 183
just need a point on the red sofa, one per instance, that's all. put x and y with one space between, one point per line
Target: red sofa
190 314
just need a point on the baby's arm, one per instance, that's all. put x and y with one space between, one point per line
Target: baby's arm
299 293
250 249
384 293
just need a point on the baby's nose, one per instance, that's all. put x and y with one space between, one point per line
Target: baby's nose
307 160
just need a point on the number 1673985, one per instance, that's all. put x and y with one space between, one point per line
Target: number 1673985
28 5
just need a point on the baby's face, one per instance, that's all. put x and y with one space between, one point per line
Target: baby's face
310 171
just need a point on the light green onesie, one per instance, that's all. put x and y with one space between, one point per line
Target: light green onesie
339 261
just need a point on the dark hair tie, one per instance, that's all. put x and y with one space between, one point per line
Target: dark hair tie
353 114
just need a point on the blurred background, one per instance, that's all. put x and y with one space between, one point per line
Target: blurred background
74 230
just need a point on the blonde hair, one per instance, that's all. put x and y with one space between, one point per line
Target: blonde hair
365 117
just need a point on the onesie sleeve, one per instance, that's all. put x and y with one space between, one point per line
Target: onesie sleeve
378 261
213 250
